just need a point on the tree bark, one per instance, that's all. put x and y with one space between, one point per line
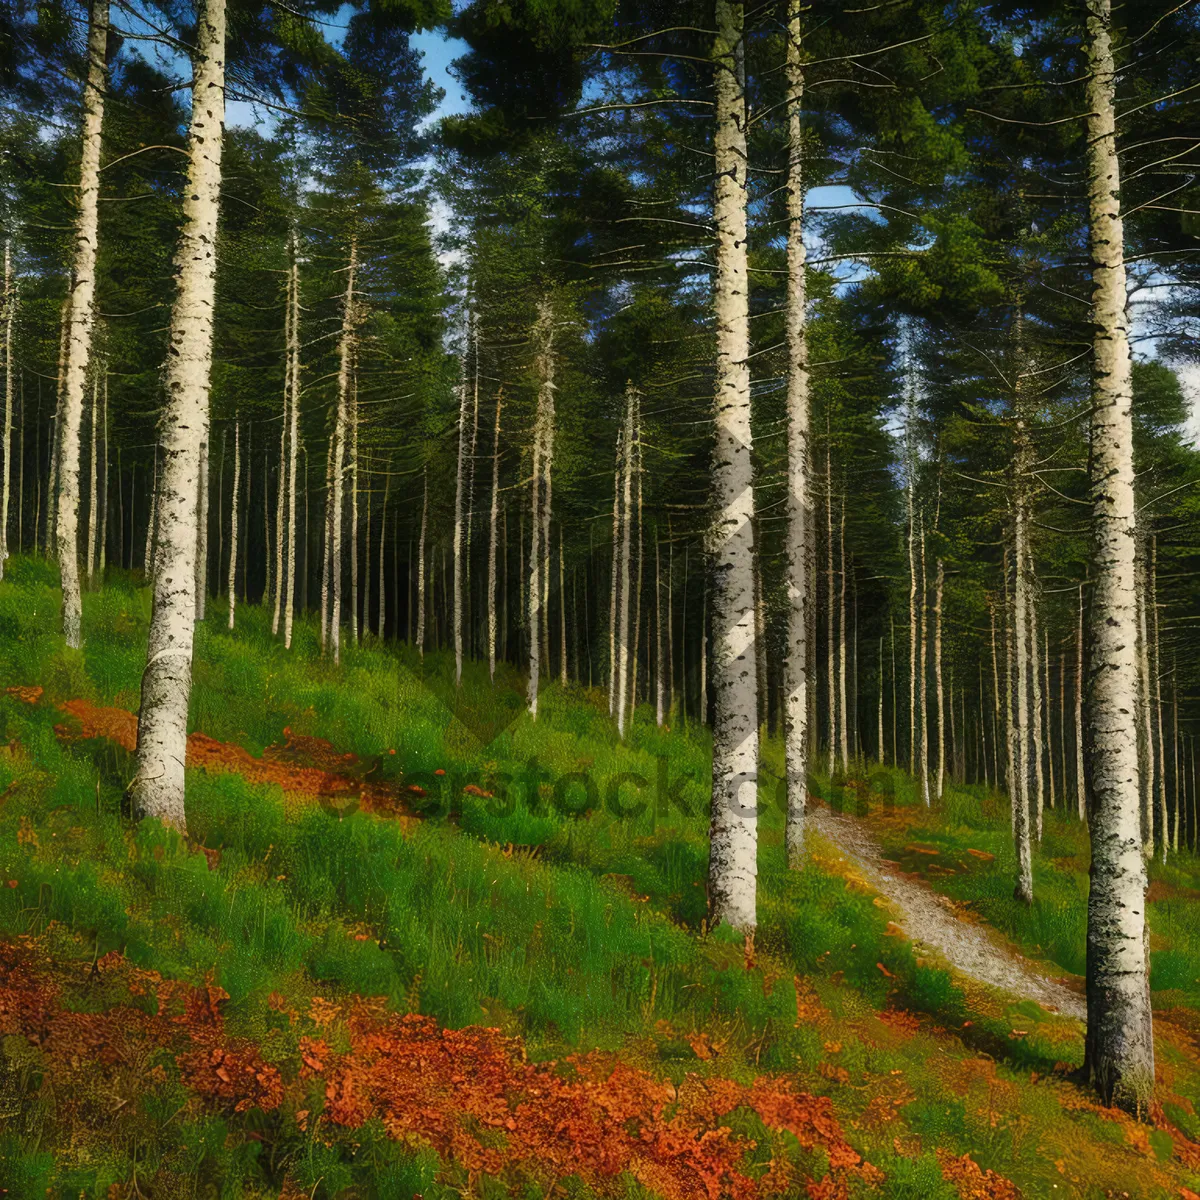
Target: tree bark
292 416
460 486
1080 773
491 596
543 449
1160 765
1037 733
631 402
157 789
82 319
1119 1054
923 669
1146 791
10 304
381 617
281 483
796 666
352 442
732 876
337 480
1023 776
830 610
421 564
201 525
615 574
90 557
939 584
660 684
233 520
843 694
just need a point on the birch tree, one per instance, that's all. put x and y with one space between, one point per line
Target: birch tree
82 315
492 515
157 789
233 520
799 519
1119 1048
733 836
10 305
292 417
543 450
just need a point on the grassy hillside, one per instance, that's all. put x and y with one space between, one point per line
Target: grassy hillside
226 1016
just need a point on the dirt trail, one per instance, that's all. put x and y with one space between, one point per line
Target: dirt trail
929 920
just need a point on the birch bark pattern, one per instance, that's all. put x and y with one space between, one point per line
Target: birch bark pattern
82 318
284 424
460 484
631 400
1119 1048
337 480
157 789
293 441
796 669
543 444
421 564
233 520
10 301
491 596
733 867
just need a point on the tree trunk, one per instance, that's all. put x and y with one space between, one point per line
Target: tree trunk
543 449
562 609
1119 1056
732 876
1160 766
326 542
103 538
292 417
352 415
923 669
460 487
64 346
157 789
281 476
201 525
882 681
152 521
90 554
796 666
82 319
381 617
233 520
1146 791
338 481
1037 732
1023 777
637 624
843 694
1175 804
421 565
615 576
1080 773
913 631
830 611
631 402
491 584
660 685
939 584
10 304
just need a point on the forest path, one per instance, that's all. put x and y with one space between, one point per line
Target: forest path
929 920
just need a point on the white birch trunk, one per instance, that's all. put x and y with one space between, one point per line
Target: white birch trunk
939 584
543 449
562 610
796 666
421 565
1146 796
355 627
460 484
614 576
338 481
1037 732
493 512
157 789
843 694
1023 770
201 525
1160 765
292 417
82 319
733 868
103 548
830 611
637 607
10 304
326 542
92 472
1119 1055
233 520
913 631
660 683
381 619
281 478
923 687
626 554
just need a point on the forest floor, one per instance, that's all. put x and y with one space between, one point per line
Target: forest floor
415 944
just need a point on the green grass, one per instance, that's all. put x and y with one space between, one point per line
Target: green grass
562 908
